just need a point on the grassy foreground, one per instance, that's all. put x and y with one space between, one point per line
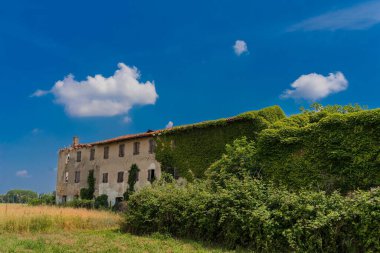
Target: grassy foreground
53 229
96 241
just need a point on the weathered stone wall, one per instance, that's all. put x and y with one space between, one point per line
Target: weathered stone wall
112 166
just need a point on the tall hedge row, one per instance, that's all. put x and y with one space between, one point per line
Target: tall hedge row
322 150
325 151
252 214
193 148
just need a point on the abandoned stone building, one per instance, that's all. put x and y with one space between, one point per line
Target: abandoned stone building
110 160
197 146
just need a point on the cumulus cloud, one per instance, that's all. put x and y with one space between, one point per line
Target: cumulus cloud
240 47
358 17
315 86
169 125
103 96
22 173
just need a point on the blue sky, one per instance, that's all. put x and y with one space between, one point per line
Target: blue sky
194 61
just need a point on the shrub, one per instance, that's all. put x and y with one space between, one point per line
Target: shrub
238 160
260 216
80 203
101 202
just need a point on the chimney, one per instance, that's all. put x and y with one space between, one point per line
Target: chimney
75 141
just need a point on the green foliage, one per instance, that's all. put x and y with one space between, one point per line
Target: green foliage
327 147
84 193
88 193
260 216
322 150
330 148
19 196
191 149
43 199
132 179
101 202
91 184
316 107
238 161
81 203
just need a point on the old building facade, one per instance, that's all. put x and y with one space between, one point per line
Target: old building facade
111 161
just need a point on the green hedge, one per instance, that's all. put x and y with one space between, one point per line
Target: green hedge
333 149
252 214
193 148
326 151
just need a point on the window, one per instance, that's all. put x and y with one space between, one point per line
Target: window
118 200
151 176
64 199
67 158
120 176
105 178
121 150
152 146
66 176
92 154
106 152
79 156
173 172
77 176
136 148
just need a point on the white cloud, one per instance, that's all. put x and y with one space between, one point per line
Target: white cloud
103 96
169 125
361 16
240 47
314 86
127 120
39 93
22 173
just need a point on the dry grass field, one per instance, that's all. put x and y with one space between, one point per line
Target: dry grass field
53 229
22 218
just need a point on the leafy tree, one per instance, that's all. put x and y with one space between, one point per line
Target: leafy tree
19 196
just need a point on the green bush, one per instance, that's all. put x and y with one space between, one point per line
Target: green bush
238 160
43 199
259 216
81 203
101 202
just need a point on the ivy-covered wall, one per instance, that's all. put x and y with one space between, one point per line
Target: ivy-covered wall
191 149
323 150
